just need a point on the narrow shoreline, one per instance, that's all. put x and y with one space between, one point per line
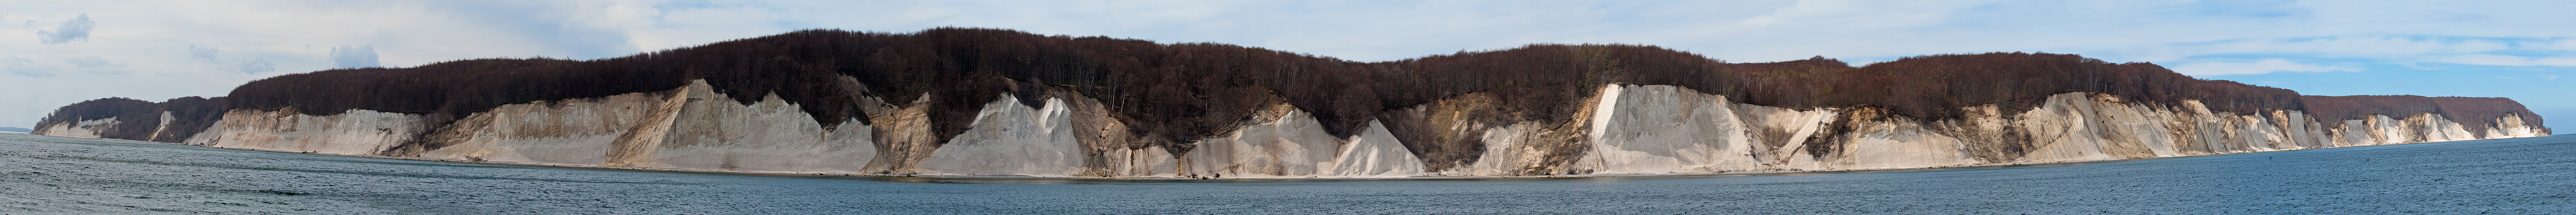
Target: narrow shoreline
779 173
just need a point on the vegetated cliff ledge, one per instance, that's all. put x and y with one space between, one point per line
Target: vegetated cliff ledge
983 102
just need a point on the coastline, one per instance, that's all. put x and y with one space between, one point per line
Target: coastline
1581 176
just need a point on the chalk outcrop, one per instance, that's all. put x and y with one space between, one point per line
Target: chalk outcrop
81 129
990 103
1628 129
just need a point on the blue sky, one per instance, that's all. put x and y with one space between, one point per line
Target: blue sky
59 52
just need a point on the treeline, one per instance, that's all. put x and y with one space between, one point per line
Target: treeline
1175 93
2474 112
1929 87
137 119
1936 86
445 88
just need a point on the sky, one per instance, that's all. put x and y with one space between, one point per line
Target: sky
54 53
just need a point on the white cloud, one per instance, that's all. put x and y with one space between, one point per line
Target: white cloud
204 53
22 66
2267 65
2504 60
345 57
91 62
70 30
253 66
97 65
2395 48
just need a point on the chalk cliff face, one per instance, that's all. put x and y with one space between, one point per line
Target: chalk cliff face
354 132
686 128
1668 130
982 103
81 129
1626 129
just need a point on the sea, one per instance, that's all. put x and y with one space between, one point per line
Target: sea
55 175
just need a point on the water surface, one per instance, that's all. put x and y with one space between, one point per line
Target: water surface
52 175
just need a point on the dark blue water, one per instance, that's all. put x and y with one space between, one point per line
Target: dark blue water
48 175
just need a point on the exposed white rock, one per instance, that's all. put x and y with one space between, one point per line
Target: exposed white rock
353 132
1374 153
1151 161
577 132
2390 131
1667 129
82 129
688 128
1903 144
1505 152
1780 135
1660 129
163 126
2512 126
1011 139
1628 129
2442 129
713 131
1282 143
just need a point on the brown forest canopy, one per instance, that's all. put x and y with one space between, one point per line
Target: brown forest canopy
1183 92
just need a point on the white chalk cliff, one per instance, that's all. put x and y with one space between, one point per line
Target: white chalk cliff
1624 129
